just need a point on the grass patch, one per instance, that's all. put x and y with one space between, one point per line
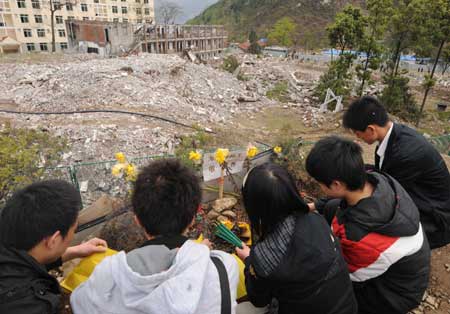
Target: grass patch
279 92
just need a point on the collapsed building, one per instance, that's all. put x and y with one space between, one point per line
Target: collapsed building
112 38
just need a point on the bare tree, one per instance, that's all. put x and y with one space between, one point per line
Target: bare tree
57 5
168 12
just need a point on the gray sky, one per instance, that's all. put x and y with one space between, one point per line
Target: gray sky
191 8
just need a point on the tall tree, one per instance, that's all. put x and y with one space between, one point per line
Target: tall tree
379 12
283 32
254 46
346 32
436 28
54 6
445 59
168 12
348 29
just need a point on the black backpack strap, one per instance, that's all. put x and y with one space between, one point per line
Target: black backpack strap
224 285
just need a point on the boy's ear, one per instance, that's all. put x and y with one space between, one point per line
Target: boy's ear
52 241
137 222
337 185
371 129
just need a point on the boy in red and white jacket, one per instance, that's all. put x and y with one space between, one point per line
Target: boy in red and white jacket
378 224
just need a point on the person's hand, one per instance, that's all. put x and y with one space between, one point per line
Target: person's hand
85 249
244 252
312 207
207 243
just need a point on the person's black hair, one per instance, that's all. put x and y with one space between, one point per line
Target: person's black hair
363 112
270 195
335 158
38 211
166 197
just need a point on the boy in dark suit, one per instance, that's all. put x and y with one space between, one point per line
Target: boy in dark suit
407 156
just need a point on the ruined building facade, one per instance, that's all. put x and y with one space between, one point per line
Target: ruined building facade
203 40
115 39
25 25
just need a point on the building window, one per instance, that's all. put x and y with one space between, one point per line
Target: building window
115 20
124 10
147 11
138 1
84 7
21 4
85 18
43 46
145 1
138 11
59 19
96 1
123 0
41 32
69 18
69 7
63 46
30 47
114 9
125 20
38 19
35 4
139 21
27 32
62 32
24 18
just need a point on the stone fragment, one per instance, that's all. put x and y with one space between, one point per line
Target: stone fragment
225 203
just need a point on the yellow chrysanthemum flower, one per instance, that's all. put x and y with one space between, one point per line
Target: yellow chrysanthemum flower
221 155
117 170
120 157
131 172
277 149
252 151
195 156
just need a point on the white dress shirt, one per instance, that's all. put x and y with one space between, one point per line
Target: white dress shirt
382 148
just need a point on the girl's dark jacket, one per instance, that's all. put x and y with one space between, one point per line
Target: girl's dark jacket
300 265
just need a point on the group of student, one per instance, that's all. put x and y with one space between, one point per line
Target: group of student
363 249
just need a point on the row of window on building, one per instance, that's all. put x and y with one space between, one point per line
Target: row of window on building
60 20
44 46
41 32
35 4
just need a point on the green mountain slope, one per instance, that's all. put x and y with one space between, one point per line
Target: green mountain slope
241 16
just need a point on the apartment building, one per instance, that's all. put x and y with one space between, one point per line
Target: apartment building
25 25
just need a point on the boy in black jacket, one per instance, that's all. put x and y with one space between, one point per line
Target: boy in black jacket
407 156
36 227
378 225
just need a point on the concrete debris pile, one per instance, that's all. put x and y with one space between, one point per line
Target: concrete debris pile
263 74
158 84
90 139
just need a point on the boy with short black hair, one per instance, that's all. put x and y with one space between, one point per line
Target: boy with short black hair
37 226
378 225
407 156
168 273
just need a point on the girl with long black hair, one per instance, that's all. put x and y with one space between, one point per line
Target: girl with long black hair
295 260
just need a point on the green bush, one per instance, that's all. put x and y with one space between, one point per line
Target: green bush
338 78
230 64
23 155
398 99
279 92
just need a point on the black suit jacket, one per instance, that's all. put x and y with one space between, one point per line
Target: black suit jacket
421 170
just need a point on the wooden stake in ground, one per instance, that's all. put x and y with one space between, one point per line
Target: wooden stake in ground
221 183
221 156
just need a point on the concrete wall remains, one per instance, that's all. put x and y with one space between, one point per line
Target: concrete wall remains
104 38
